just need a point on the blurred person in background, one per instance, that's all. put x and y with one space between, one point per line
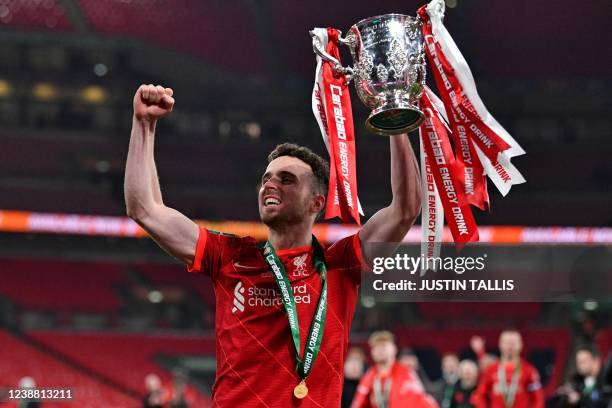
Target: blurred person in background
510 382
442 389
409 359
155 394
261 337
181 396
354 368
587 387
477 344
388 384
465 385
28 382
607 377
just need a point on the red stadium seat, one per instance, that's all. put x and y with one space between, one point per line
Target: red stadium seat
126 358
194 26
48 14
19 359
173 275
61 285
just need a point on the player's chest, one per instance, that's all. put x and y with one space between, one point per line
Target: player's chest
252 264
503 386
248 286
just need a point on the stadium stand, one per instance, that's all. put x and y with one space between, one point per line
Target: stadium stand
19 359
127 358
474 312
604 342
177 276
61 285
197 27
34 15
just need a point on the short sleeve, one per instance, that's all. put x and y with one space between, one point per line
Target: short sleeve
533 380
212 250
346 255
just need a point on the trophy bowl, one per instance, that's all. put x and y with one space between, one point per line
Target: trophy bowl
389 70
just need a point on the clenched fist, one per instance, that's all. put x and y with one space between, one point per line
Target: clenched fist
153 102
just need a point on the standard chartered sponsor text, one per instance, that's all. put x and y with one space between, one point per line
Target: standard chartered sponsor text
269 296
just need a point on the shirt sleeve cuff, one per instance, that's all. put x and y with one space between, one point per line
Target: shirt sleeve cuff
196 265
359 254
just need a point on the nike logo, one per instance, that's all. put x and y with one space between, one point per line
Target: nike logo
239 265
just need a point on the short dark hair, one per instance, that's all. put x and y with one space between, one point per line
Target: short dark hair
591 349
319 166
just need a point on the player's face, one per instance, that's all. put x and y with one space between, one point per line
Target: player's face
383 351
286 195
450 364
409 361
468 372
584 363
510 344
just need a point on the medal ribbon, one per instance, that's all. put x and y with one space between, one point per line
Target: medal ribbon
509 393
381 396
315 334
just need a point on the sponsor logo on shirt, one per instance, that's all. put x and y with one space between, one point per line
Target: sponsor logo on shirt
238 265
238 298
265 296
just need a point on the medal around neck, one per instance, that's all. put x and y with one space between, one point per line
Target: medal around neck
301 390
317 326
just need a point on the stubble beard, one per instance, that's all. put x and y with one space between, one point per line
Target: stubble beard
293 216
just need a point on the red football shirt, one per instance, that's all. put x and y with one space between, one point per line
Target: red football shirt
255 353
528 395
406 389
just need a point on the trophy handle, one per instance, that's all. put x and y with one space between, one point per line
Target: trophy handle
337 65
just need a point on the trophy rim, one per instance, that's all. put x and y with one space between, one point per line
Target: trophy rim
399 130
368 19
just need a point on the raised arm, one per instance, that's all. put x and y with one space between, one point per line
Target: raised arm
172 231
393 222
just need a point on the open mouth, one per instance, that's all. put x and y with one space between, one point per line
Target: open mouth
271 201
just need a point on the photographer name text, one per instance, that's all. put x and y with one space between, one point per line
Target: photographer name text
438 285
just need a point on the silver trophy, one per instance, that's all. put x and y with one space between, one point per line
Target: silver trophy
389 70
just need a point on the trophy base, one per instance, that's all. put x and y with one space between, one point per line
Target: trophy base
394 118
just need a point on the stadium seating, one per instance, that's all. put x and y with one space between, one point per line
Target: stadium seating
473 312
45 284
177 276
58 174
197 27
498 50
19 359
48 14
126 358
604 342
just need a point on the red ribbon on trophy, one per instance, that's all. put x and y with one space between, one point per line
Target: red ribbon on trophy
331 104
482 146
461 142
446 172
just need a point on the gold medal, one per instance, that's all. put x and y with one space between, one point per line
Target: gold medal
300 391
